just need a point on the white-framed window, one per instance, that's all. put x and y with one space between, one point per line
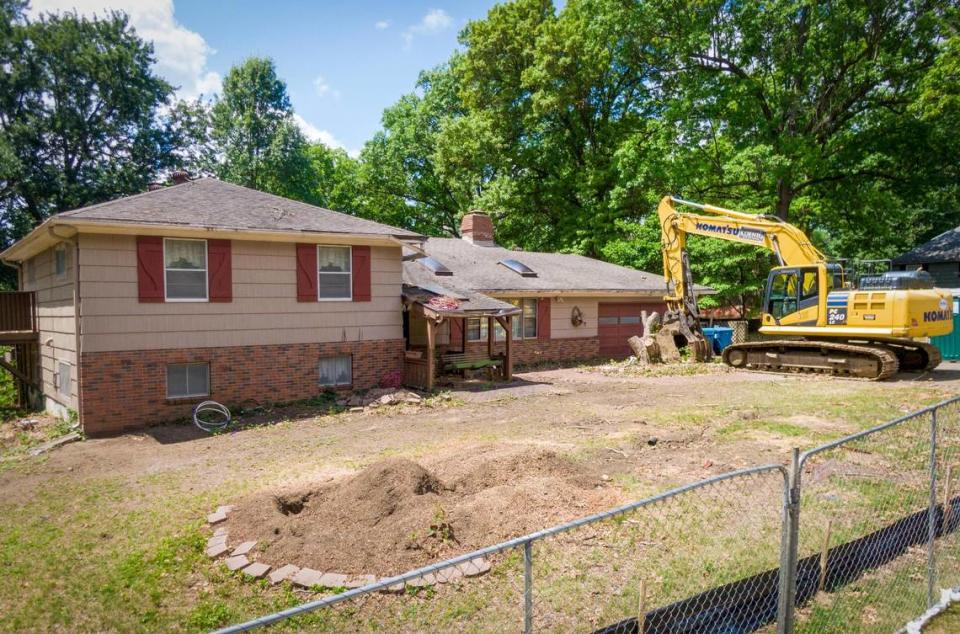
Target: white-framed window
334 273
336 371
60 260
524 325
186 380
185 270
64 373
477 330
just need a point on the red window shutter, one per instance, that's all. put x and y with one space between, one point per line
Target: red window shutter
219 270
456 332
150 268
307 273
543 319
361 274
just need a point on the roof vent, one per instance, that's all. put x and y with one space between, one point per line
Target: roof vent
435 265
519 267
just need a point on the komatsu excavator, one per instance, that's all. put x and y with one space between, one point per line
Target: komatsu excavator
820 322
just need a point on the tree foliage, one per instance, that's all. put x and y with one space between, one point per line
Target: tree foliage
78 114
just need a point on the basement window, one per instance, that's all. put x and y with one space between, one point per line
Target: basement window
436 266
519 267
336 371
186 380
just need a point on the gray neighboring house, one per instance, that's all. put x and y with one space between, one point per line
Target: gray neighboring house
939 256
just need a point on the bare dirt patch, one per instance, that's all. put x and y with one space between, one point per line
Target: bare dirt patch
398 514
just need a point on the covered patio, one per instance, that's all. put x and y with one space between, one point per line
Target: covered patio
435 322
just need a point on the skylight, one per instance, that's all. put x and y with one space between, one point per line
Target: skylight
519 267
435 265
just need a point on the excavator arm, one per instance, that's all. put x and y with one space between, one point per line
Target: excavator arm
682 318
791 246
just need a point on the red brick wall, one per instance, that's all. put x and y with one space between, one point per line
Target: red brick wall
527 351
124 390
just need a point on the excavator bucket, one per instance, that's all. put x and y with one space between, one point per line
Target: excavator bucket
664 337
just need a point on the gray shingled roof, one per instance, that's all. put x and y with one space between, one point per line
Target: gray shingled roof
208 202
477 268
944 248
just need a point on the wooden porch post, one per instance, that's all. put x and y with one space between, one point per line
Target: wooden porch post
507 370
508 362
431 353
490 328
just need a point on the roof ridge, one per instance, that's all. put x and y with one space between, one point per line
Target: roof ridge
114 201
297 202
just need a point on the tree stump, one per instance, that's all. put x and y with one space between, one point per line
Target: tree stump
645 349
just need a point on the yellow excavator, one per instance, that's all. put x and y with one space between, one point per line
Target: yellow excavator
820 321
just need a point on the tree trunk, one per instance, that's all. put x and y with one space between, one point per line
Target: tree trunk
785 194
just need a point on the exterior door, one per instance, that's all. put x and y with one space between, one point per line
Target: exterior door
619 322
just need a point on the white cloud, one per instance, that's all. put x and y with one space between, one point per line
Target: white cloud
181 53
382 25
315 134
434 21
323 88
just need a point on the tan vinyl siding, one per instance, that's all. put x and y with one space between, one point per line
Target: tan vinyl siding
264 310
560 325
56 320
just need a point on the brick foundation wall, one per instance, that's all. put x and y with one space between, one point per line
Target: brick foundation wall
126 390
529 351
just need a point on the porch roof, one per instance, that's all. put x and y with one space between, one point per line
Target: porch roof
446 301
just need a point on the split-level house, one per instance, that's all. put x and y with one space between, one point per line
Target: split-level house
130 312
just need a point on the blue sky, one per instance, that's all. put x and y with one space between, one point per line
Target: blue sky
343 62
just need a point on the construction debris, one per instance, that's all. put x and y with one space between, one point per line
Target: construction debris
56 442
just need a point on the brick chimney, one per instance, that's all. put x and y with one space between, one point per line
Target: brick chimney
477 228
180 177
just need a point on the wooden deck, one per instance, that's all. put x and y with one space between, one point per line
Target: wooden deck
18 317
20 333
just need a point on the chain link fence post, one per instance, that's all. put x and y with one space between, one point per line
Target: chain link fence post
788 547
932 511
528 587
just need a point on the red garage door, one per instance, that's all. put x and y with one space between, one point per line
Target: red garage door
619 322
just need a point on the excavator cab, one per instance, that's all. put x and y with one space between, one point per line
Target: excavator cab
793 294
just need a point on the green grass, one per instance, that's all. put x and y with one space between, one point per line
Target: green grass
946 622
774 427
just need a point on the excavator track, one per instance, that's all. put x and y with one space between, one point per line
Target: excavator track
913 356
861 361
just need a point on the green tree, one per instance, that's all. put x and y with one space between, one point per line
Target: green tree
399 179
79 117
336 178
257 143
804 88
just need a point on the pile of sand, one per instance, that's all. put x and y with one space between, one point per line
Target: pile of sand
396 515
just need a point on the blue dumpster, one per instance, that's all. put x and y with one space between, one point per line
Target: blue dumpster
720 336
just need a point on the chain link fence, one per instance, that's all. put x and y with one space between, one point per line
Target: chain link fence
857 535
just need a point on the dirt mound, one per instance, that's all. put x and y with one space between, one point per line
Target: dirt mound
396 514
